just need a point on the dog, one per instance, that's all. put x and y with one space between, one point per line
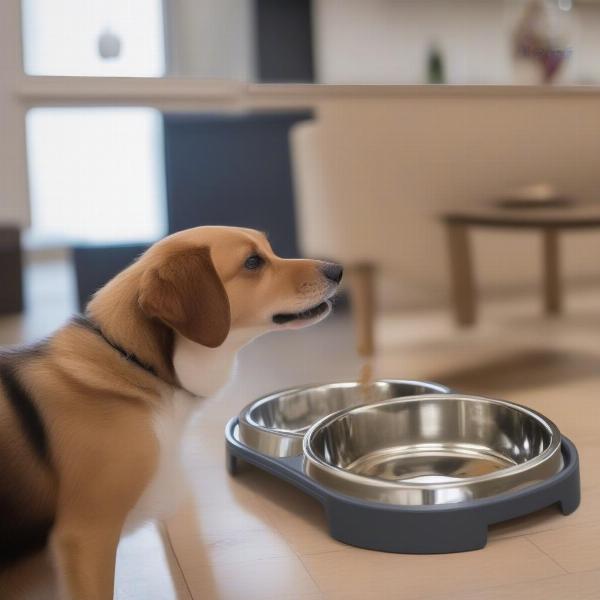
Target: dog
91 418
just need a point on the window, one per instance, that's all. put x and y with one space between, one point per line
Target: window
95 174
63 37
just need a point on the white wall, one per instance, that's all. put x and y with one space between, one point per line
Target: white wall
210 39
387 41
587 50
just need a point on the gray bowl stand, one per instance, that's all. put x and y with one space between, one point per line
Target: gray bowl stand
415 529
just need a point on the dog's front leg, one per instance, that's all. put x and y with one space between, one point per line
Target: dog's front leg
84 554
102 473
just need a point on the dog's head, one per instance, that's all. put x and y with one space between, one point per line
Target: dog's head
208 281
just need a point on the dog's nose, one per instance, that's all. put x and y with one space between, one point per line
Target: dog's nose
333 272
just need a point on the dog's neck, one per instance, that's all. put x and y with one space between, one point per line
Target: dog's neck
117 313
204 371
200 370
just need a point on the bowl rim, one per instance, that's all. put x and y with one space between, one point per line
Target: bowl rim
245 415
343 474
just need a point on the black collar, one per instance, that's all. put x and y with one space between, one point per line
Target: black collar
86 322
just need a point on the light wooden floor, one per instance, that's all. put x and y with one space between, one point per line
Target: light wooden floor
254 537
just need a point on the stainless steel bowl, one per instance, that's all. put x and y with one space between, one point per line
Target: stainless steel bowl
275 425
433 449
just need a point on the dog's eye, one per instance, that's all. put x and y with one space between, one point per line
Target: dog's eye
254 262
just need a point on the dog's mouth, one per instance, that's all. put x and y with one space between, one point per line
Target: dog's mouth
306 315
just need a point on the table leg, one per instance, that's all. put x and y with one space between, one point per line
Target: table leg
461 274
361 282
552 286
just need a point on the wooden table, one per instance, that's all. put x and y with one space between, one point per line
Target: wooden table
548 221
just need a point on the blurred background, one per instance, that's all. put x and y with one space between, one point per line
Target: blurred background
123 121
446 152
366 132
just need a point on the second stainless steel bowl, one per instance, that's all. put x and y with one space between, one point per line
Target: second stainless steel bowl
432 449
275 425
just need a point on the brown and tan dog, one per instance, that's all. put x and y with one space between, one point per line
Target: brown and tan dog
91 418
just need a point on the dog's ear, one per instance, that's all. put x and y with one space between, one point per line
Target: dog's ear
186 293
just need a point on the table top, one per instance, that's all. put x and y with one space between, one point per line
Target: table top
571 216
